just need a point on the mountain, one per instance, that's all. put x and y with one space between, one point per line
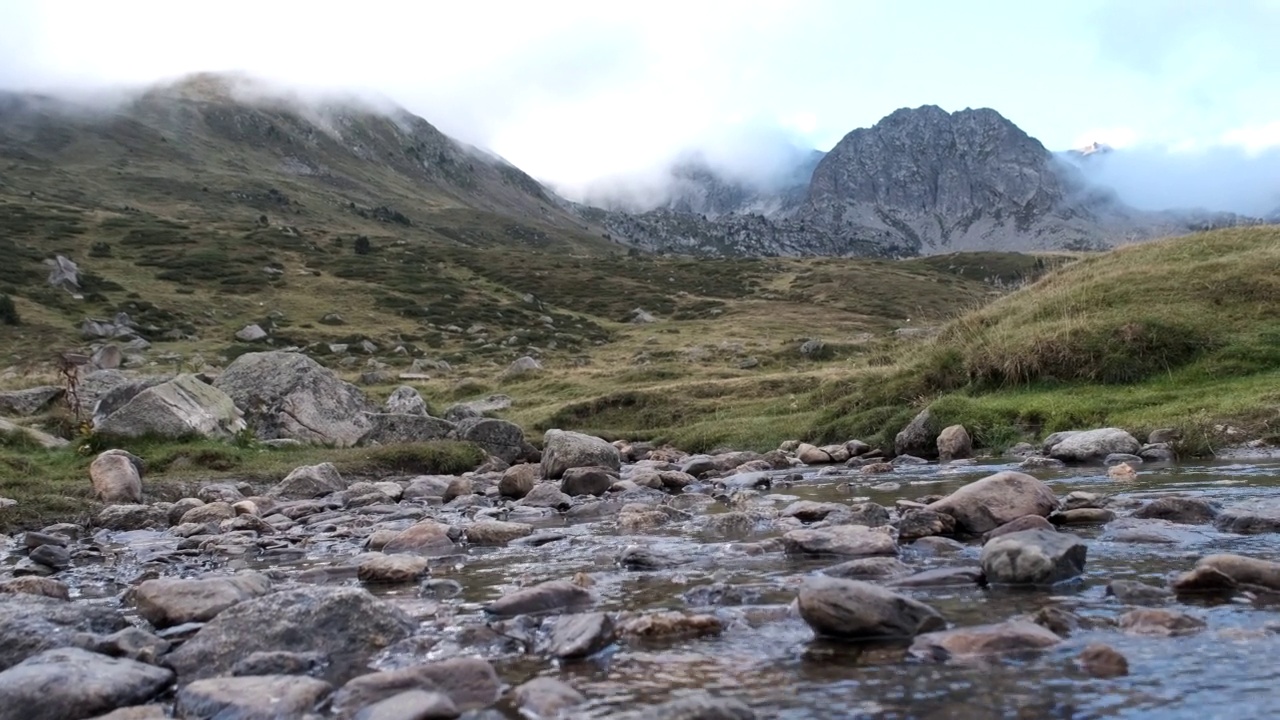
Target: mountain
924 181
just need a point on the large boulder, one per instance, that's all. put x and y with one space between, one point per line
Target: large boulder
406 400
983 505
181 407
288 395
309 481
562 449
855 610
345 625
31 623
1093 445
396 428
73 684
165 602
116 476
499 438
918 438
32 401
1033 557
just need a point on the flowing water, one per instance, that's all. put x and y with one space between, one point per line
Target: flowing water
767 656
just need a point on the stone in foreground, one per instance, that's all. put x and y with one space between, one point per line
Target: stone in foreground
70 684
166 602
1033 557
855 610
260 697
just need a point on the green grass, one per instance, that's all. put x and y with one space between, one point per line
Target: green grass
53 485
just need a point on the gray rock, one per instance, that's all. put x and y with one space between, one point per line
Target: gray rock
499 438
587 481
1033 557
469 683
923 522
1082 516
278 662
1035 462
346 625
919 437
182 407
547 495
579 635
984 505
553 596
518 480
116 477
1184 510
855 610
1094 445
427 538
70 684
53 556
562 450
309 481
522 366
261 697
64 273
288 395
477 408
166 602
405 400
697 707
132 517
30 624
41 438
1157 454
845 540
868 568
979 640
1132 592
1253 518
381 569
396 428
942 577
32 401
1240 570
251 333
544 698
410 705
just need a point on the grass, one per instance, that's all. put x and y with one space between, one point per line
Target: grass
53 485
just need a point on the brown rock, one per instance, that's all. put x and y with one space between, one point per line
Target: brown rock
380 569
954 443
428 538
518 480
1010 636
1160 621
33 585
115 478
1103 661
983 505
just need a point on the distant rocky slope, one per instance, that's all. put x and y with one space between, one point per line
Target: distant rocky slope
920 181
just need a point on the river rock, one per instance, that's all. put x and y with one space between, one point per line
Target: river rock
165 602
547 597
984 505
405 400
1240 569
1103 661
1082 516
182 407
1184 510
116 478
500 438
562 450
579 635
289 395
847 540
31 623
855 610
547 495
546 698
1026 522
410 705
382 569
1132 592
51 556
309 481
587 481
33 585
279 662
1094 445
262 697
346 625
996 638
469 683
496 532
868 568
942 577
1033 557
71 684
954 443
518 480
1160 621
922 522
132 517
1253 518
428 538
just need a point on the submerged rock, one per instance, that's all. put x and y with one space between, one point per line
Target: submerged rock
996 638
1184 510
547 597
1103 661
1160 621
251 697
1033 557
1252 518
1224 572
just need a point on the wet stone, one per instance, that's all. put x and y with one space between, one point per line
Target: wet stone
854 610
1161 622
579 635
1132 592
70 683
547 597
261 697
545 697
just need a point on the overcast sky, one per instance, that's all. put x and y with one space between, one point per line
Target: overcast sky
573 91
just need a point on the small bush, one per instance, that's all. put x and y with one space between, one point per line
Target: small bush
429 458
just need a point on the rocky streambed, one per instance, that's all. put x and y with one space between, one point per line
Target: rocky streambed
668 586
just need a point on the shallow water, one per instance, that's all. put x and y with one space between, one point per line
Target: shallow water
767 656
